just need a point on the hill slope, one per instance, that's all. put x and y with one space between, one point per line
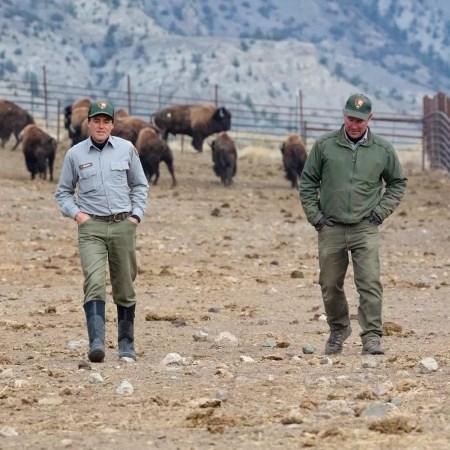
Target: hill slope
258 51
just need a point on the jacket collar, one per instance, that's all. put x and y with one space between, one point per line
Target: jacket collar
367 139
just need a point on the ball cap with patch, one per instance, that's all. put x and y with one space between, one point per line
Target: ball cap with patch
101 107
359 106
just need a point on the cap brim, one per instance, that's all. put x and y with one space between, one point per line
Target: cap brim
358 115
101 113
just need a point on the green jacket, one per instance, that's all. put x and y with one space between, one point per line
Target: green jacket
345 185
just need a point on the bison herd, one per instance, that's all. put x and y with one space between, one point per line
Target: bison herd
149 138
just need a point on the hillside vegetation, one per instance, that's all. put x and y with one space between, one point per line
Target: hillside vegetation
258 51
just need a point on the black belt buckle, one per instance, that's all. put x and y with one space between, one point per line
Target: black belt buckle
118 217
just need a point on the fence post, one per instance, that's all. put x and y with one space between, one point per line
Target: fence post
45 97
58 115
423 143
300 104
441 100
129 94
159 96
216 95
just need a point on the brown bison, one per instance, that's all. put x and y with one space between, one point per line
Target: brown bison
129 127
197 121
125 126
152 150
224 157
119 113
84 102
75 116
13 119
294 157
39 150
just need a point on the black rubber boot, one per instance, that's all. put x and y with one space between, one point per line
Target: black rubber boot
95 318
125 325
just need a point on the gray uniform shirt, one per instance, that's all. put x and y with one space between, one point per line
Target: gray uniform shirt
109 181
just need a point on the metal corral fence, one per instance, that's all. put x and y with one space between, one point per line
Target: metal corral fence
436 125
270 122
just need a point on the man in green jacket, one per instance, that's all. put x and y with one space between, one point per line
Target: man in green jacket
352 181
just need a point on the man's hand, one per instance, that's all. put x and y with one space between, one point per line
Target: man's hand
81 217
373 218
322 222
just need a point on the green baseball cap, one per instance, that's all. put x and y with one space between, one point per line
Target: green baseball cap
359 106
101 107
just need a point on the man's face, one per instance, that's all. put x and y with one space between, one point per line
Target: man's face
355 127
100 127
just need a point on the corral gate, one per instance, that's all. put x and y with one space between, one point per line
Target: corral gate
436 131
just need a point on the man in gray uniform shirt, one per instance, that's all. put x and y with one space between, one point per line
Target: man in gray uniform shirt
108 206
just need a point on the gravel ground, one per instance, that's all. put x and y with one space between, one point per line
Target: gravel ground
228 283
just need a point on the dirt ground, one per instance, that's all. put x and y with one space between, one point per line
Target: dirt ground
212 260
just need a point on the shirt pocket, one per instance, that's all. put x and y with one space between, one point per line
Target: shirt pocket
87 180
119 170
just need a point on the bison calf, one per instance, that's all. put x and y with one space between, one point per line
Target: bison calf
224 157
294 158
39 150
152 150
197 121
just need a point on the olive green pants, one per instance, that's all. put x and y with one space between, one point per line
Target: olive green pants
100 241
362 242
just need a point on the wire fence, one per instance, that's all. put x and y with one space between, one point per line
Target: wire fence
265 122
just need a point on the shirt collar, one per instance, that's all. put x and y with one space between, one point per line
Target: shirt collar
361 141
92 144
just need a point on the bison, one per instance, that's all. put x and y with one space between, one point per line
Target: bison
13 119
39 150
80 103
75 116
125 126
84 102
197 121
129 127
152 150
121 112
294 157
224 157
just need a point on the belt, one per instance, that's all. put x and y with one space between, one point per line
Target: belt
118 217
